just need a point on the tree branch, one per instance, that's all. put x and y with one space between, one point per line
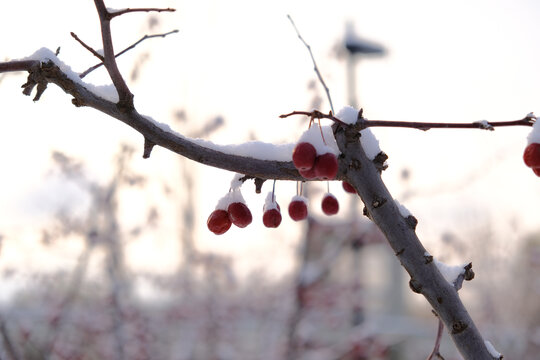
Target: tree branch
145 37
115 13
364 123
315 67
49 72
125 96
426 279
87 47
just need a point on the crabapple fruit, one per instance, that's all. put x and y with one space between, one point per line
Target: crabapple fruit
348 188
239 214
272 218
330 205
326 166
219 222
304 155
308 174
298 210
531 156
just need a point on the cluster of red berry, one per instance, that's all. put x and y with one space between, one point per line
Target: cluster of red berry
314 160
312 165
237 213
531 156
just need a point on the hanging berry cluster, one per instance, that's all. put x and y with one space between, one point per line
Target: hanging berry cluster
314 156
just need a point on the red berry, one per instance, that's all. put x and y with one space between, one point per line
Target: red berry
272 218
330 205
298 210
326 166
531 156
218 222
239 214
536 170
308 174
304 155
348 187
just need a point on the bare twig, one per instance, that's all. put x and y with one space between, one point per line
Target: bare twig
145 37
363 123
87 47
315 67
483 125
125 96
315 114
435 354
113 14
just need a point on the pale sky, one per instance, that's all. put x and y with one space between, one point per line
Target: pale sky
447 61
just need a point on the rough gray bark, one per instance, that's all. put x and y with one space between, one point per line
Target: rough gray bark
364 175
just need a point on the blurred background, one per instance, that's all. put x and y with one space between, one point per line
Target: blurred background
104 255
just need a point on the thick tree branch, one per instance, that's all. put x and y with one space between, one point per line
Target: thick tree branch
363 174
42 73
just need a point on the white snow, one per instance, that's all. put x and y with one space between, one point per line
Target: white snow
107 92
236 183
534 135
313 136
348 115
300 198
229 198
369 142
450 273
402 209
492 351
485 124
254 149
270 202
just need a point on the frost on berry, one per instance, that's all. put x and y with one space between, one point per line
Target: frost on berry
298 208
240 214
330 205
326 166
304 155
531 156
348 188
219 222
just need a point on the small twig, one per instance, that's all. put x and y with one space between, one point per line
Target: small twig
315 67
315 114
145 37
113 14
87 47
435 354
483 125
528 120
